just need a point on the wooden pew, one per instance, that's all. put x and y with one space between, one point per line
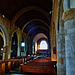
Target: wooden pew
7 65
24 59
15 63
2 67
12 63
37 69
39 66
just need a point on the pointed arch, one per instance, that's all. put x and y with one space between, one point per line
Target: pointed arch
28 9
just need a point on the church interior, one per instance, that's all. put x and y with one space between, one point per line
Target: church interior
37 37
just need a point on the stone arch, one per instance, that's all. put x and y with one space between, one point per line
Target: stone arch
2 35
40 40
19 38
35 40
15 32
5 34
28 9
34 20
37 27
42 49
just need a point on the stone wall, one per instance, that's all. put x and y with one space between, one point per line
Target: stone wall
53 30
9 29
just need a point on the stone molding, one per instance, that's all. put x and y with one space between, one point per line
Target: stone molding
69 14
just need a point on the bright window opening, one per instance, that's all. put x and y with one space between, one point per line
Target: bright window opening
43 45
22 44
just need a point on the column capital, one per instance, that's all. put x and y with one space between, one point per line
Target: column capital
69 14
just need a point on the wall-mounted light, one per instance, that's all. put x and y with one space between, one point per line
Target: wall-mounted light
50 12
3 16
1 49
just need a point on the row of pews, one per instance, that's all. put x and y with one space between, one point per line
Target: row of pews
7 65
41 65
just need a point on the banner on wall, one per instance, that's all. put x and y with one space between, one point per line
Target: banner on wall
54 50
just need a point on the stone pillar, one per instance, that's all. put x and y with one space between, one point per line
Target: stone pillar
25 48
68 4
4 50
8 49
19 48
69 26
33 48
28 46
61 61
49 52
25 44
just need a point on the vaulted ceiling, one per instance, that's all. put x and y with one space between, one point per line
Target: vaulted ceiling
32 16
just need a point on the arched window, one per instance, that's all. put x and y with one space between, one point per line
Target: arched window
43 45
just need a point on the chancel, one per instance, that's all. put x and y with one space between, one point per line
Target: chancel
37 37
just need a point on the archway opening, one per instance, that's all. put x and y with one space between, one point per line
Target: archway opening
42 47
36 42
14 45
1 47
23 51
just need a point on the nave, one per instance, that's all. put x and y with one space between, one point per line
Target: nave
28 65
31 29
